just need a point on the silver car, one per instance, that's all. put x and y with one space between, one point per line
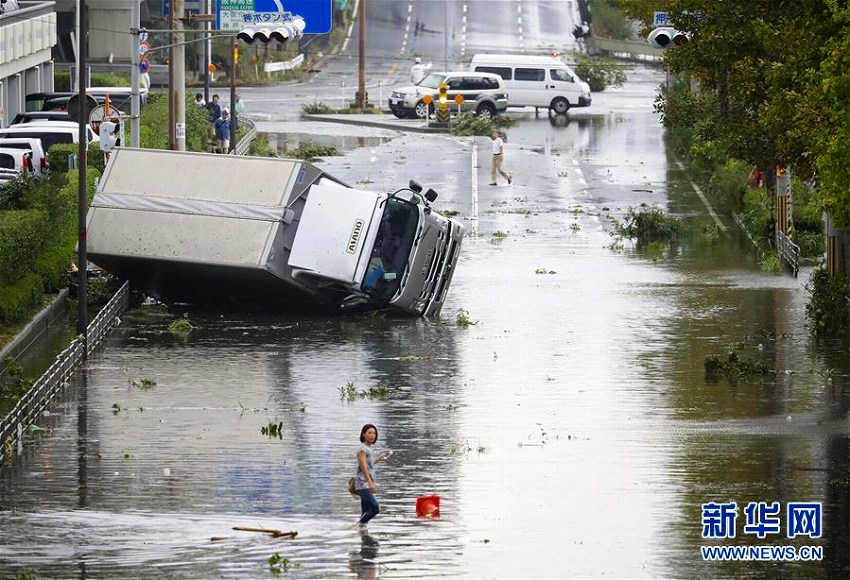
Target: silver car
483 94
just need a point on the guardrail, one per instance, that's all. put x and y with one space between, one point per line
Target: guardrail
54 381
789 252
244 144
625 49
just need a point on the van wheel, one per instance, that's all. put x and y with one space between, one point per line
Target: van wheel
486 111
421 110
560 106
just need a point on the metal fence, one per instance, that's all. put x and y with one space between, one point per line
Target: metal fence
54 381
244 144
789 252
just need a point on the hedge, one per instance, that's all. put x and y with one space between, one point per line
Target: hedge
18 298
22 236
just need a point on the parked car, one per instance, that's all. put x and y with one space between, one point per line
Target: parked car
18 159
484 94
33 145
29 116
49 132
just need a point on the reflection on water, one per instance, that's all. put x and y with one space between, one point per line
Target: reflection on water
280 143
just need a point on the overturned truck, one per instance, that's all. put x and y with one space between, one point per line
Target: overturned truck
224 229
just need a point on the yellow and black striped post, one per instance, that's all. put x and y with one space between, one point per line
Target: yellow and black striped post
784 202
834 248
442 114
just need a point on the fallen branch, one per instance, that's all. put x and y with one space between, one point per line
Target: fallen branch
271 532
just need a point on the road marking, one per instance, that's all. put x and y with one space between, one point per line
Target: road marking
474 216
702 197
350 26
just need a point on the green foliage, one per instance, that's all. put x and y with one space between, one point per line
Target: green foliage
316 108
732 367
728 184
599 72
649 224
468 124
260 148
182 326
757 215
828 310
707 154
100 289
62 80
608 20
462 319
23 233
153 129
311 151
17 298
57 157
350 393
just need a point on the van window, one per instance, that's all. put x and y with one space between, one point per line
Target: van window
530 74
505 72
560 74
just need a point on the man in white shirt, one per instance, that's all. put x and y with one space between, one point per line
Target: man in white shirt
498 159
418 70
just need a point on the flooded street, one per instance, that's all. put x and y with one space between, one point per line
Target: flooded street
559 408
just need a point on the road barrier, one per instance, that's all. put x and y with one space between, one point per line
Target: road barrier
54 381
244 144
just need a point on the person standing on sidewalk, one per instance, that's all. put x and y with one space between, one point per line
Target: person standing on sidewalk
222 132
498 159
364 481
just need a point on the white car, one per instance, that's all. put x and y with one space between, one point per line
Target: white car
49 132
33 145
483 94
19 160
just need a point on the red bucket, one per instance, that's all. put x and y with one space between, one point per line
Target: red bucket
428 506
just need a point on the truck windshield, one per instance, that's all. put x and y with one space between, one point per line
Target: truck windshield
392 249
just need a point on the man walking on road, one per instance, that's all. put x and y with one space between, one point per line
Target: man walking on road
498 159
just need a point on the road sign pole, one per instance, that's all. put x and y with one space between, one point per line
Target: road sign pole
82 193
135 105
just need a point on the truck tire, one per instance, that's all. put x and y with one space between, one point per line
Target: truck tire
559 106
421 110
485 111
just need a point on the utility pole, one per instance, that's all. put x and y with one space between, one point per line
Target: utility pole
179 87
207 53
362 99
172 141
233 121
135 105
82 192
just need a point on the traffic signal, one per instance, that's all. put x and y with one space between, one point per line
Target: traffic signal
665 36
283 32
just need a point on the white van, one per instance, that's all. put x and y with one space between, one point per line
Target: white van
536 81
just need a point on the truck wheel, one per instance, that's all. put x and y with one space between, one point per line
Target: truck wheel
421 110
486 111
560 106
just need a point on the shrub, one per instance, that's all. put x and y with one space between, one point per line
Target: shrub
829 307
316 108
728 184
599 72
608 20
650 224
468 124
22 235
310 151
18 298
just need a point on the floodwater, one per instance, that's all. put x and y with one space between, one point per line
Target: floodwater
569 429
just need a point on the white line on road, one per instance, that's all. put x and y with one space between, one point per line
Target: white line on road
350 26
702 197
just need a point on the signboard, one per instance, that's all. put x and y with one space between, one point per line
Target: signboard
661 19
238 14
144 66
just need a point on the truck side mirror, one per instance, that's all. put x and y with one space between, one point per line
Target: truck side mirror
430 195
414 187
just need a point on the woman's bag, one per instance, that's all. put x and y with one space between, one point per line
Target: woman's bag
351 489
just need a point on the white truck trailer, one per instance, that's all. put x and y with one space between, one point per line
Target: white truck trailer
211 229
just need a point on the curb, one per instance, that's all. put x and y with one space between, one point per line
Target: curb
33 332
347 120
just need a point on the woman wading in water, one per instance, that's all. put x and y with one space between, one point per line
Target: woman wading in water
364 482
